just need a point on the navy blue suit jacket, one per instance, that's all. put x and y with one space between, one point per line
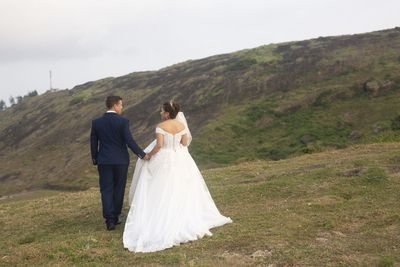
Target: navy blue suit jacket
109 138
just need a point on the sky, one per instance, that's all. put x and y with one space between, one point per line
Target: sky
86 40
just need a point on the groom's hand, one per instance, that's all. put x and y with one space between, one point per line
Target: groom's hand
146 157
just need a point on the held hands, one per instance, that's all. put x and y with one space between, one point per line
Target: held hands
147 157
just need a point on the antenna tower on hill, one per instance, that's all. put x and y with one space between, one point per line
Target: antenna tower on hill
51 84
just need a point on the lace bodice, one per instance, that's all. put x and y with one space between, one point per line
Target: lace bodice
171 141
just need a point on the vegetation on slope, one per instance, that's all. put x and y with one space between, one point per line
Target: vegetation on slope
270 102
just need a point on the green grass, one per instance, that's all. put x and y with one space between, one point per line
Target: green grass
336 208
269 128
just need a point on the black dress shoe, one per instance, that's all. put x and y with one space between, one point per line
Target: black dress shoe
118 220
110 226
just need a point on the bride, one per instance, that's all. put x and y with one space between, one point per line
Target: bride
169 200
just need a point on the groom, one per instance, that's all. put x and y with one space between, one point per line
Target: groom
109 137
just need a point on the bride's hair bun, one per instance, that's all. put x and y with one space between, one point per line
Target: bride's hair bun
172 108
176 106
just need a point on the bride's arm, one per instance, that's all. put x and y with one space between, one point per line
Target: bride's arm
158 146
184 140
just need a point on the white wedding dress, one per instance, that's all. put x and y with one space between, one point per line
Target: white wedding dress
169 200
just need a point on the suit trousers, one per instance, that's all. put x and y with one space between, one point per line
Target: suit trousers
112 187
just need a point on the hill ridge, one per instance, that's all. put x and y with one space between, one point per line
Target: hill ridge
270 102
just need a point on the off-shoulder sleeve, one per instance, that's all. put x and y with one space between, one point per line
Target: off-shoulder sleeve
184 131
159 130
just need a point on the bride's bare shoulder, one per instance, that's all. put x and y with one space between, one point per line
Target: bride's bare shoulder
171 126
176 125
162 124
180 126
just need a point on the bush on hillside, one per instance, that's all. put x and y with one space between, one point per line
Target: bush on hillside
375 174
396 123
243 64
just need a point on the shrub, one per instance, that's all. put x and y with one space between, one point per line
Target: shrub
396 123
273 153
386 262
243 64
375 174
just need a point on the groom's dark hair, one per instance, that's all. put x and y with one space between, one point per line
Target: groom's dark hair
112 100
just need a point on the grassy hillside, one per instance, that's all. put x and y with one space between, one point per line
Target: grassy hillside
271 102
259 131
335 208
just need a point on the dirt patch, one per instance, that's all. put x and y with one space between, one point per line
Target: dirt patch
236 259
326 200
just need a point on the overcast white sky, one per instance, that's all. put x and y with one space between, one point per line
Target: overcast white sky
84 40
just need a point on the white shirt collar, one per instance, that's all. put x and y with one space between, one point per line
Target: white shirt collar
111 111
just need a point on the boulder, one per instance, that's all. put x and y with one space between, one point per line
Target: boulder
355 135
306 139
378 88
261 254
377 128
